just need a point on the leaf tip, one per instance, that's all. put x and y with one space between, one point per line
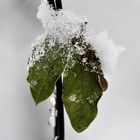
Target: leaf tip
36 103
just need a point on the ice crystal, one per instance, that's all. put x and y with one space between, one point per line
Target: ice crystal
69 30
60 25
72 98
37 50
52 110
52 100
52 121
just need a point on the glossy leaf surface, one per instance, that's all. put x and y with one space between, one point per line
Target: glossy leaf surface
80 96
45 72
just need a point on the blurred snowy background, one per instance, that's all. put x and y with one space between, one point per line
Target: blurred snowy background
119 113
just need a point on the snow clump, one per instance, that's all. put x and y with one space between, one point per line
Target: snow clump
62 26
106 50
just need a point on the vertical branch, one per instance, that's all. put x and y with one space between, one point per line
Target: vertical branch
59 128
58 4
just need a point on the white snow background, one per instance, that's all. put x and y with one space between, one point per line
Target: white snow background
119 114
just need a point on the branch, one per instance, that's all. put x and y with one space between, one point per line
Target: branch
59 128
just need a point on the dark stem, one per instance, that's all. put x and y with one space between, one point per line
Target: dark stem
58 4
52 4
59 128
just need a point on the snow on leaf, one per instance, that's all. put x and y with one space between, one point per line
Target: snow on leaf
106 50
66 48
51 121
44 73
64 26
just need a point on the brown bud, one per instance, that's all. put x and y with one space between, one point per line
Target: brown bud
103 83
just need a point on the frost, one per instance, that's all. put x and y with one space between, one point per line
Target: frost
52 110
37 50
69 30
33 83
91 101
84 60
72 98
79 49
53 100
52 121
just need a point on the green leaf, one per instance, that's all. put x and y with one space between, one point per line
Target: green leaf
80 96
45 72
